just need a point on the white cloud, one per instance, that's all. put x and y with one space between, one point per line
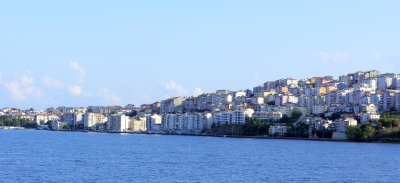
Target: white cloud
79 71
23 88
173 86
334 57
198 91
109 97
54 83
75 89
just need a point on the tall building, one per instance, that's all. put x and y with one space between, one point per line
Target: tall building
118 123
92 119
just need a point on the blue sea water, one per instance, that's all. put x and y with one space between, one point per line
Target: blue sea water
47 156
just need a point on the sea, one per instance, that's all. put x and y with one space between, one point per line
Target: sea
51 156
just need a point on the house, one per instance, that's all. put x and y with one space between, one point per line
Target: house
277 130
58 125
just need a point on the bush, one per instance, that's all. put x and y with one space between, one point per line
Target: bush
364 132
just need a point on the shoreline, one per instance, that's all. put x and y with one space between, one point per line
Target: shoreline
210 135
217 136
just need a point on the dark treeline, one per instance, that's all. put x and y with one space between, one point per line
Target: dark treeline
8 121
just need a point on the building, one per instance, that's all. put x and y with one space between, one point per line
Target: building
40 119
172 105
266 115
118 123
92 119
365 117
137 124
342 124
385 81
277 130
318 109
153 122
57 125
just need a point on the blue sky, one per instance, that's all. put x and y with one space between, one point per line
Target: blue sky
77 53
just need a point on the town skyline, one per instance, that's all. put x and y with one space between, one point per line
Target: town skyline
318 107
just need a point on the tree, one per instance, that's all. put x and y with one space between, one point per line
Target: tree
368 131
132 114
296 114
285 119
354 133
66 127
364 132
335 116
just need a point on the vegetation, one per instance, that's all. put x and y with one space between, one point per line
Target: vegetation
296 114
389 120
132 114
8 121
335 116
387 129
66 127
365 132
256 127
301 130
323 133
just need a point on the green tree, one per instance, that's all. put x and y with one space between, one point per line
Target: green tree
296 114
285 119
364 132
132 113
354 133
367 131
335 116
66 127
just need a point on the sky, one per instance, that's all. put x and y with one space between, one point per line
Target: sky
81 53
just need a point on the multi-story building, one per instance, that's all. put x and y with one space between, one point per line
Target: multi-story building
118 123
172 105
137 124
265 115
153 122
92 119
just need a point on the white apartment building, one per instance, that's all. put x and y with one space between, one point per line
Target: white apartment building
40 119
118 123
57 125
342 124
265 115
318 109
385 81
153 122
285 110
137 124
277 130
369 116
92 119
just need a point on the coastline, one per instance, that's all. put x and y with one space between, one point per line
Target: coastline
210 135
